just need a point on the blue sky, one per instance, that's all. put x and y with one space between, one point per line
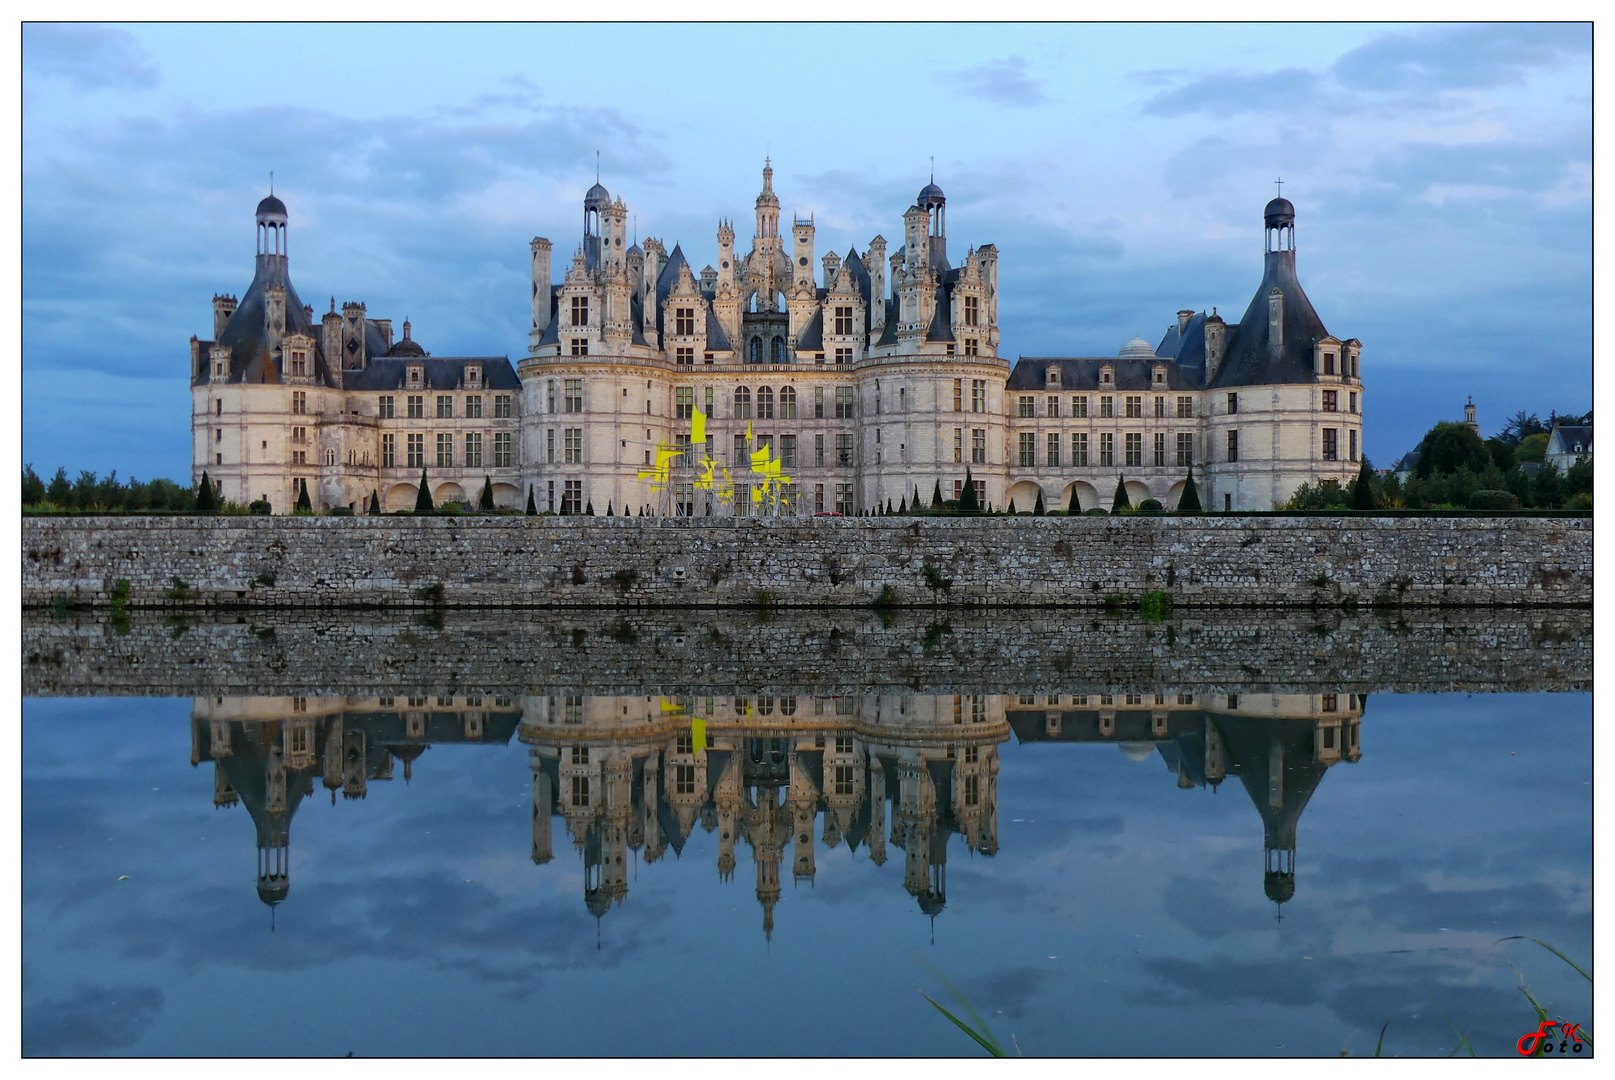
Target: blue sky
1441 175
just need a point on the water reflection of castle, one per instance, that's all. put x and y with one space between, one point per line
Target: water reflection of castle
633 776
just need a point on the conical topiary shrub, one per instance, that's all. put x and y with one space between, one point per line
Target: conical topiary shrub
588 509
1362 491
1012 506
1120 502
936 496
532 505
902 507
1189 501
486 502
302 498
1038 509
207 502
375 503
423 496
1075 506
968 503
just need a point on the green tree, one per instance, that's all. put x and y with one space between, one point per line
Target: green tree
936 495
902 507
423 496
60 490
486 502
206 501
888 504
109 493
968 503
1362 490
1579 477
84 490
1502 452
1037 508
532 507
303 503
1012 506
914 503
1448 447
375 503
136 496
1548 487
588 510
33 488
1532 448
1519 426
1074 507
1189 501
1120 501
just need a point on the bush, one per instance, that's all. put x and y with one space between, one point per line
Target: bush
1150 506
1581 500
339 511
1493 500
1099 511
260 507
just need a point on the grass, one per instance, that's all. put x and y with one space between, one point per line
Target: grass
1155 605
980 1032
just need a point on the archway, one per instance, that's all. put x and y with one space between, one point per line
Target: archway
449 491
1024 495
1174 495
1136 492
399 497
1087 496
508 496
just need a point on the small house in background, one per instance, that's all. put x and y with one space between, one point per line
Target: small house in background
1568 444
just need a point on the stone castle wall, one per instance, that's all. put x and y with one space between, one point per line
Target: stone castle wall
669 562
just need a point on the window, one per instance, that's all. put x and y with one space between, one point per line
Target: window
1079 406
445 407
300 363
384 407
1107 448
818 450
1135 406
1233 446
1053 449
843 778
742 403
1028 405
776 351
1331 399
1185 448
389 450
978 446
1135 449
843 356
1185 407
473 449
549 446
843 498
684 779
684 356
1079 449
972 311
300 434
1160 449
787 403
580 784
473 406
846 407
843 320
501 406
299 401
574 395
684 321
958 445
1328 363
818 403
1353 438
551 396
958 395
1160 407
572 439
765 403
1233 404
417 407
1107 406
299 457
787 451
1052 406
1106 376
580 346
416 448
818 493
445 450
684 403
972 347
1351 401
1028 449
580 311
978 395
1331 448
572 497
844 449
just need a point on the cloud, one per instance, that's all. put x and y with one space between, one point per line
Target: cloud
87 56
1004 82
1229 93
90 1020
1445 58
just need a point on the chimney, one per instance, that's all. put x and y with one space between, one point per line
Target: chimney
1275 321
223 307
541 287
1216 339
1183 320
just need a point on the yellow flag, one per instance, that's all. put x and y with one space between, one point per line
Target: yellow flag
698 428
698 734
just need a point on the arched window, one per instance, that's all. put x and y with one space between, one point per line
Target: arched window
765 403
787 403
756 350
776 352
742 403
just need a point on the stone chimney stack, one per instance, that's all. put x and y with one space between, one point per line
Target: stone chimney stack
224 306
1216 341
1183 320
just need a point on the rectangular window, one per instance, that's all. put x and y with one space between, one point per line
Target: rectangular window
978 446
417 407
572 497
473 406
1351 401
1079 407
1328 363
1233 404
844 499
684 322
299 401
572 440
1107 406
1331 448
580 784
1233 446
958 445
299 364
843 778
1135 406
684 403
1028 405
843 320
580 346
1331 401
1107 448
416 451
818 498
787 451
978 395
844 449
1185 448
684 356
1052 406
574 395
1135 449
1160 407
958 395
1160 449
972 311
501 406
501 449
1054 449
1185 407
549 446
1353 438
818 450
580 311
299 457
1028 450
845 408
389 450
818 403
384 407
1079 449
843 356
445 407
445 450
972 346
473 449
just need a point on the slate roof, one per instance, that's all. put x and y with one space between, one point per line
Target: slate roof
1249 361
246 332
1082 373
442 373
812 337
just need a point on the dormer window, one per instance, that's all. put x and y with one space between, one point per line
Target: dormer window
1052 377
299 364
417 376
473 375
1107 376
1160 376
1328 363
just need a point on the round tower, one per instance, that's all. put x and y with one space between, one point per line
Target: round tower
1279 219
271 219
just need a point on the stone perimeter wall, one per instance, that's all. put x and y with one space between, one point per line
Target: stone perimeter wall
670 562
824 651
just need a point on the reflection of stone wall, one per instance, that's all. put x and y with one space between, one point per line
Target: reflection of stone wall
810 651
607 562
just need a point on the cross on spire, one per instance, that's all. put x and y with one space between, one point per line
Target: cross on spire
933 168
1280 183
271 181
597 166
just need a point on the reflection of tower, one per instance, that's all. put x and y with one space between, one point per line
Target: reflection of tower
767 828
804 799
543 800
727 797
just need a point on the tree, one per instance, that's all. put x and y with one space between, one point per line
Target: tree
1012 506
1502 453
1362 492
1520 425
609 511
423 496
1189 501
589 509
84 490
486 502
303 503
1579 477
208 503
1532 448
1120 502
902 507
375 503
1547 489
915 502
33 488
1037 509
936 494
60 490
968 503
1075 506
1448 447
532 507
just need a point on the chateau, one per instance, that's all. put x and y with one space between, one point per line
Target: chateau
780 382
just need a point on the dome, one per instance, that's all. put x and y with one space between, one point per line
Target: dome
1279 887
1138 347
1279 212
596 198
271 207
635 251
406 347
1136 751
273 891
930 195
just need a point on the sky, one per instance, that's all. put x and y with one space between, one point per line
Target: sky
1442 178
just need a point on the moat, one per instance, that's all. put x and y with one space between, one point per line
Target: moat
717 834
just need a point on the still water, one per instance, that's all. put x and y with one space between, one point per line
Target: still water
1136 870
